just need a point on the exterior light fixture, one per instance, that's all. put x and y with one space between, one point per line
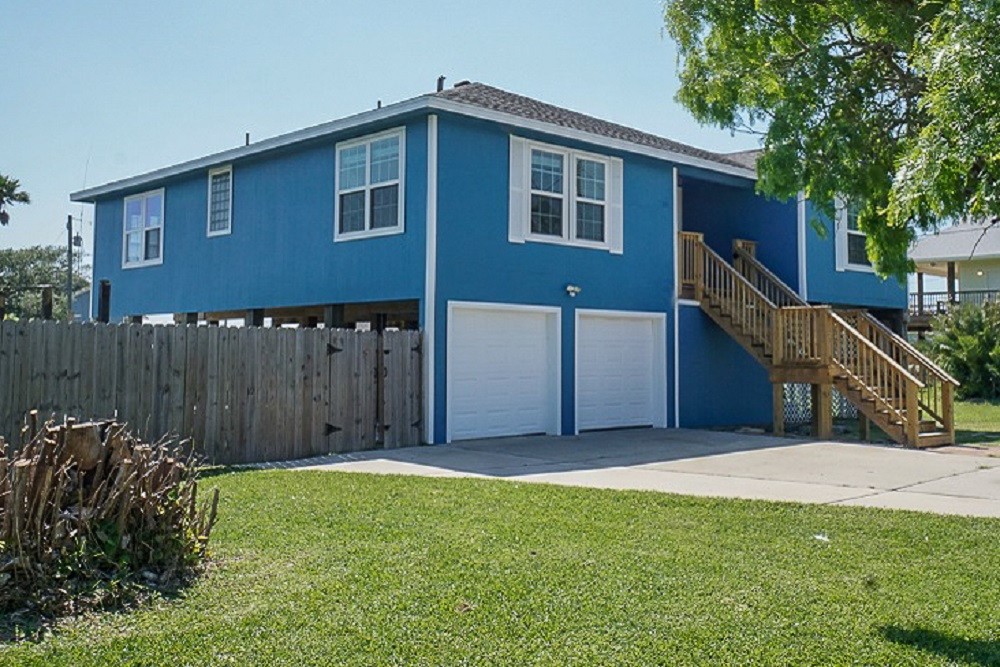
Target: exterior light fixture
573 290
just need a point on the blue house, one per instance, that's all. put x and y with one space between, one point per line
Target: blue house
539 250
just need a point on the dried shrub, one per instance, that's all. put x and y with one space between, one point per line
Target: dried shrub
88 512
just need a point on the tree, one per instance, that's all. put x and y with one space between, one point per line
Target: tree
892 104
22 273
10 193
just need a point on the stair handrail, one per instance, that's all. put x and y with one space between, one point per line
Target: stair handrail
775 282
882 391
898 341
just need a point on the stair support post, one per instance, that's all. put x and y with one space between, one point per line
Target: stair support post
864 427
948 409
912 424
778 338
778 400
822 410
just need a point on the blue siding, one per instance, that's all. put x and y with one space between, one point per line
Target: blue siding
720 384
281 251
825 284
726 212
476 262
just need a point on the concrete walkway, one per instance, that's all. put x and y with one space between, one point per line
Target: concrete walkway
710 463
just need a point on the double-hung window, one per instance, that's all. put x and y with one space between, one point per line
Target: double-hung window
852 252
370 186
564 196
220 201
143 230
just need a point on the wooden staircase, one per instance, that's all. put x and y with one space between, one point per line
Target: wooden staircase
890 382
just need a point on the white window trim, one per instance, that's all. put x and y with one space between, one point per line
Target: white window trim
843 262
228 169
521 201
163 208
367 233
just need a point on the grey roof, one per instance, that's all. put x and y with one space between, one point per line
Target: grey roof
466 98
488 97
746 159
961 242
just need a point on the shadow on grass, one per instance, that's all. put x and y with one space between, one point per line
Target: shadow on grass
970 651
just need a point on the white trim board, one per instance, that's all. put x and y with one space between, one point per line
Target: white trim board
659 360
430 278
677 222
553 311
423 103
800 212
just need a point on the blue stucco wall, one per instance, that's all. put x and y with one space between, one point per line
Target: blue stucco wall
281 250
825 284
476 262
723 212
720 383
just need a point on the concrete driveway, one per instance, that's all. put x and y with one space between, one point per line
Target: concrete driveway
710 463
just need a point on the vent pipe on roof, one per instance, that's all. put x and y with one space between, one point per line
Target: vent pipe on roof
247 139
378 104
441 83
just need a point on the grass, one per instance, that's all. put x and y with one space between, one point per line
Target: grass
318 568
977 422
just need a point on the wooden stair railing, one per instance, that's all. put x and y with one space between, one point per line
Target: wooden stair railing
812 343
936 397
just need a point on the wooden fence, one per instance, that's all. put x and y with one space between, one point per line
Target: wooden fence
241 394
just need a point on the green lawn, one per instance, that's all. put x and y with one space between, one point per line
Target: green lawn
977 422
322 568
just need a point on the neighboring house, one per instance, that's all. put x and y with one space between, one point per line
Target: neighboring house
967 255
536 247
81 306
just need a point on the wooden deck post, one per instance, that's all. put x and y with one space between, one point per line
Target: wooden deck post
822 410
778 401
47 302
333 316
912 423
190 318
104 301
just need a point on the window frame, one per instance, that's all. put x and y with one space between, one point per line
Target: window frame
143 196
569 195
367 188
212 173
844 262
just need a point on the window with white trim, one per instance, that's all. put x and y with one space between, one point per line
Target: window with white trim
852 252
143 229
220 201
558 195
369 175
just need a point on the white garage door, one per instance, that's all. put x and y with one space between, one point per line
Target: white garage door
619 372
502 372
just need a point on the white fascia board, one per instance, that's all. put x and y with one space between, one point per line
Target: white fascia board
280 141
424 103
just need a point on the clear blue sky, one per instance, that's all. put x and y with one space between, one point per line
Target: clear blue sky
98 91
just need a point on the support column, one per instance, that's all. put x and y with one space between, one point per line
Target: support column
864 427
104 301
190 318
254 317
778 401
822 410
47 302
136 319
952 298
920 293
333 316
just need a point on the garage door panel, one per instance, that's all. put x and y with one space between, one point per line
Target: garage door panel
501 373
616 372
